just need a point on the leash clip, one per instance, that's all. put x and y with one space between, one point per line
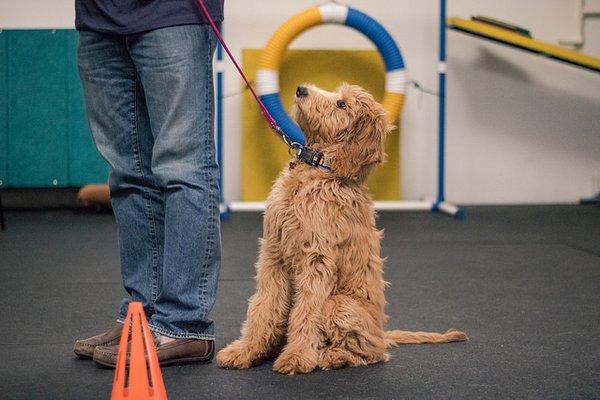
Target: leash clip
312 157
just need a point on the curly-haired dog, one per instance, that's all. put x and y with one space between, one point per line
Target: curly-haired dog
320 292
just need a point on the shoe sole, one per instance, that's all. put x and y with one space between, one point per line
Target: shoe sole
166 363
85 356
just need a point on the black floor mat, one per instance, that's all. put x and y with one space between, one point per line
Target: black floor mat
524 282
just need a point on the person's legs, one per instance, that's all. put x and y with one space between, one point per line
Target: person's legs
121 130
175 69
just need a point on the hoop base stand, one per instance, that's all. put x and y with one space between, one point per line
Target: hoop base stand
407 205
224 211
449 209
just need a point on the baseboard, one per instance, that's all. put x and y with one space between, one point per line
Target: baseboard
39 198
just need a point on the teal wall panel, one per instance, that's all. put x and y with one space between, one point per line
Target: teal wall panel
46 140
37 108
3 109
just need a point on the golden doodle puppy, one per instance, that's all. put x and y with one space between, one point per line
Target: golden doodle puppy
320 292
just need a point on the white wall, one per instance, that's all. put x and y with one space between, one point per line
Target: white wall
521 128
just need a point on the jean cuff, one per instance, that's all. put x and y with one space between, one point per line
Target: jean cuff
153 328
203 336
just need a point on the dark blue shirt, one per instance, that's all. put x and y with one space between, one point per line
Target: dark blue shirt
133 16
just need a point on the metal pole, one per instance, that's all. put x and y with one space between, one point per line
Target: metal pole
220 115
440 203
442 104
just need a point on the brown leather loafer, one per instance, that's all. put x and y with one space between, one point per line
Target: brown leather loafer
84 348
169 351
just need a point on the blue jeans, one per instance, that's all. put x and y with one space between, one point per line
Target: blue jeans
149 99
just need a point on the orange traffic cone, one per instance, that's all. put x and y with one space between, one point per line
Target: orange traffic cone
132 381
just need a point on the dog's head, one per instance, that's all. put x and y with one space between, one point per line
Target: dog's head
348 125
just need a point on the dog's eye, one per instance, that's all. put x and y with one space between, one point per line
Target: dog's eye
341 104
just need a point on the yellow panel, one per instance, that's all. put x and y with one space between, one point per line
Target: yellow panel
264 154
515 39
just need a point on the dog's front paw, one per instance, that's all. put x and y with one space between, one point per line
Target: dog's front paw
334 359
236 355
295 362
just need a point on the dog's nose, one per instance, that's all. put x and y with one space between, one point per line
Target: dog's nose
301 91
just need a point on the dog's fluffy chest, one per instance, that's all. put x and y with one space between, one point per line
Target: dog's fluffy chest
306 203
312 196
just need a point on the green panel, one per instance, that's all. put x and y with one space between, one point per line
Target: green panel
37 108
85 163
3 109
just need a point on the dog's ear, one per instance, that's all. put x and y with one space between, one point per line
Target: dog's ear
365 147
373 139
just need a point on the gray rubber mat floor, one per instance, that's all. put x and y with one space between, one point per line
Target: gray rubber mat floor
524 282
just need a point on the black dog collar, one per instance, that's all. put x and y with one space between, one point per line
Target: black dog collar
313 158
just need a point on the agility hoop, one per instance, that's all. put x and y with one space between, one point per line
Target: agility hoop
267 75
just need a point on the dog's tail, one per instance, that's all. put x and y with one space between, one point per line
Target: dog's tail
396 338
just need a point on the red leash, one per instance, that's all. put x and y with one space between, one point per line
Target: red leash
271 121
311 157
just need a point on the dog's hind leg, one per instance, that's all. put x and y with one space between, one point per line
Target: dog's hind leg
263 333
353 335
